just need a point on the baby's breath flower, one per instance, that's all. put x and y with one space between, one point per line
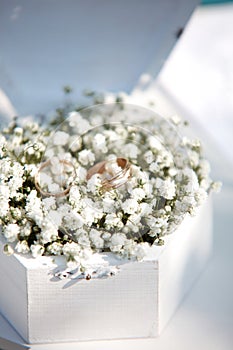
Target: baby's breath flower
94 184
141 250
165 188
8 250
60 138
55 248
99 143
11 232
22 247
86 157
113 220
130 150
130 206
96 240
37 250
117 241
149 157
72 253
168 178
216 186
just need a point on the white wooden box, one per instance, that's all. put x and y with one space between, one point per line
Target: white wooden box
140 299
136 302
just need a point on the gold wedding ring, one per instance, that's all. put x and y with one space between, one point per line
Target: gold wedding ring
110 180
57 194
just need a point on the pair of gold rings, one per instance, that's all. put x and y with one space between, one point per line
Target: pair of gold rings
110 179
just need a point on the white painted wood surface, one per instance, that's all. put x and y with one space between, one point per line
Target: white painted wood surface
137 302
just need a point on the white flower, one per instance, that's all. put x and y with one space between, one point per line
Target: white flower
60 138
97 119
11 232
80 124
130 150
2 145
34 206
83 126
149 157
134 219
48 230
83 239
117 241
133 224
111 136
165 159
154 143
203 168
8 250
31 169
91 214
154 167
168 178
129 249
166 188
74 119
172 172
55 217
72 252
216 186
18 131
53 188
145 208
81 175
74 197
94 184
130 206
200 196
14 184
37 250
73 220
138 194
97 241
4 199
55 248
22 247
26 229
99 143
188 202
108 204
148 189
113 220
106 236
75 143
141 250
49 202
16 213
86 157
85 254
194 158
191 180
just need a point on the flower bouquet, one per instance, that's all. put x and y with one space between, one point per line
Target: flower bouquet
99 193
